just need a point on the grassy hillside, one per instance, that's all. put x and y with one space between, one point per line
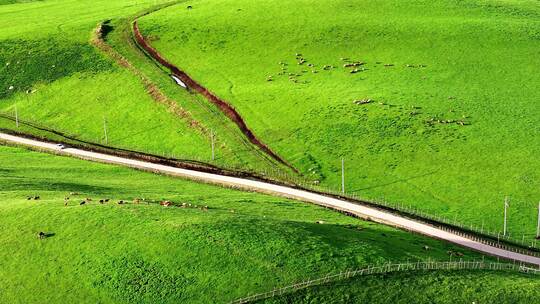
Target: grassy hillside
452 126
429 287
146 253
50 73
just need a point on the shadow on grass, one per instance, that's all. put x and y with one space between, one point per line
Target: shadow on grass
352 242
48 234
36 186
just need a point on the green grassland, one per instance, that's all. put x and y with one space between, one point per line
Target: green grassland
453 128
146 253
469 61
429 287
52 75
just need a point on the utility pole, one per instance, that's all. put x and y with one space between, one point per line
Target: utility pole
16 116
213 145
505 214
482 229
343 175
538 225
105 130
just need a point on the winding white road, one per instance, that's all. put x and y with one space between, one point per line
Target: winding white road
373 214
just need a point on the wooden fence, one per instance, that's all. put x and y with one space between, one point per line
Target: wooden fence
389 268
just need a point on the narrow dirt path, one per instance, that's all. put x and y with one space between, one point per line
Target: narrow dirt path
98 40
222 105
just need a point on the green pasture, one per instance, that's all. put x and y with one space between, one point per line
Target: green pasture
452 126
142 252
51 75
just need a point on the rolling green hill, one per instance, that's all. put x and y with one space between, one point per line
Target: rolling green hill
432 104
53 75
146 253
446 114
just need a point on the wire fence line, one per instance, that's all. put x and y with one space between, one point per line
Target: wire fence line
479 233
390 268
475 232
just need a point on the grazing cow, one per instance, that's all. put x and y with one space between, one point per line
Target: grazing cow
41 235
36 198
166 203
120 202
82 203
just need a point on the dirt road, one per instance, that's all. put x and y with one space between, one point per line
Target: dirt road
381 216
